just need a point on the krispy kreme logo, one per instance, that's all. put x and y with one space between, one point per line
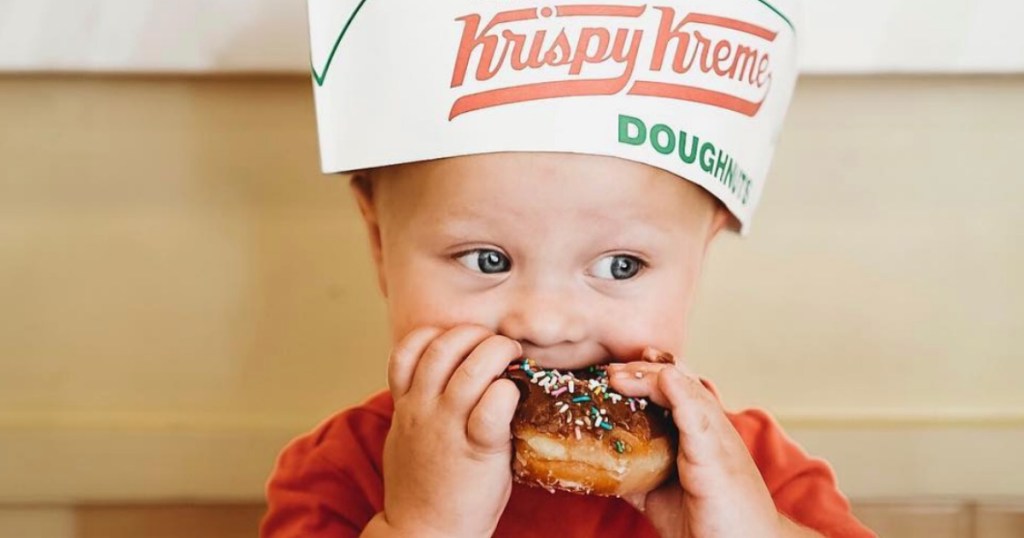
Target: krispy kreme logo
577 50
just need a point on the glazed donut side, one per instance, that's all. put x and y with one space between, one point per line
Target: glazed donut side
572 432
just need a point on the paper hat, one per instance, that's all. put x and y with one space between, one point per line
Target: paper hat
698 88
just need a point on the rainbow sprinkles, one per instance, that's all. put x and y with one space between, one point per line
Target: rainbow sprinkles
579 402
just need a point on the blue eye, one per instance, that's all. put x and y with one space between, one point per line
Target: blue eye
485 260
617 267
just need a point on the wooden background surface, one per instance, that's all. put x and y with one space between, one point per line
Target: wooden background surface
183 291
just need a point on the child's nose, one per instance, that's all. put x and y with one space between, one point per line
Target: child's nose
544 318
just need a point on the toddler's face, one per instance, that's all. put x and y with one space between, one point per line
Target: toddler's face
583 259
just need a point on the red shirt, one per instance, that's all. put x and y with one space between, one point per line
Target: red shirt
328 483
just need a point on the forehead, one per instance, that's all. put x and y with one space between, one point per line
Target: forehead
540 185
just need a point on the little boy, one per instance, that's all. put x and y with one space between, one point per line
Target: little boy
532 207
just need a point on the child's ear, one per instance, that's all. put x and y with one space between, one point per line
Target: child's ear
720 220
362 189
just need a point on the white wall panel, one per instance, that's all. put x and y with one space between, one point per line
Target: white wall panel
844 36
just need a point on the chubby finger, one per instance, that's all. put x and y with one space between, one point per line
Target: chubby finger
694 409
490 423
639 380
706 436
441 357
405 354
685 397
483 365
669 386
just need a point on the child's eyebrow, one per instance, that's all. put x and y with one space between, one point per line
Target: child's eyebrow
623 228
470 214
635 218
459 222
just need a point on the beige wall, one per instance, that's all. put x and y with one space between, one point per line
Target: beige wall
182 291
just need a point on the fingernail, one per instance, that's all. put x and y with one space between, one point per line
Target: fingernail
658 356
667 358
623 375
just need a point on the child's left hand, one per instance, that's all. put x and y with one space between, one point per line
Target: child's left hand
720 491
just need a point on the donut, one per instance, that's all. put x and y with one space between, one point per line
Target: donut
572 432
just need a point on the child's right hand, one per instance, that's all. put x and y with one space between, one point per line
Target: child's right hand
447 457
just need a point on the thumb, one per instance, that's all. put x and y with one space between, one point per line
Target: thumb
665 509
637 500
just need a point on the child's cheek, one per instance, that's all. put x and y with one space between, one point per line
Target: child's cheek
656 323
419 305
628 340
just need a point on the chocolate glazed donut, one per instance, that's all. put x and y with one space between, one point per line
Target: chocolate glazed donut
572 432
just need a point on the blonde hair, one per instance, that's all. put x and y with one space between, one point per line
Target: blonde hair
364 179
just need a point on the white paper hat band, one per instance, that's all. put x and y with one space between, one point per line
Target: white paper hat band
697 88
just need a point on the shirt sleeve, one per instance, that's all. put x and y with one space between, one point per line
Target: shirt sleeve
803 488
329 482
